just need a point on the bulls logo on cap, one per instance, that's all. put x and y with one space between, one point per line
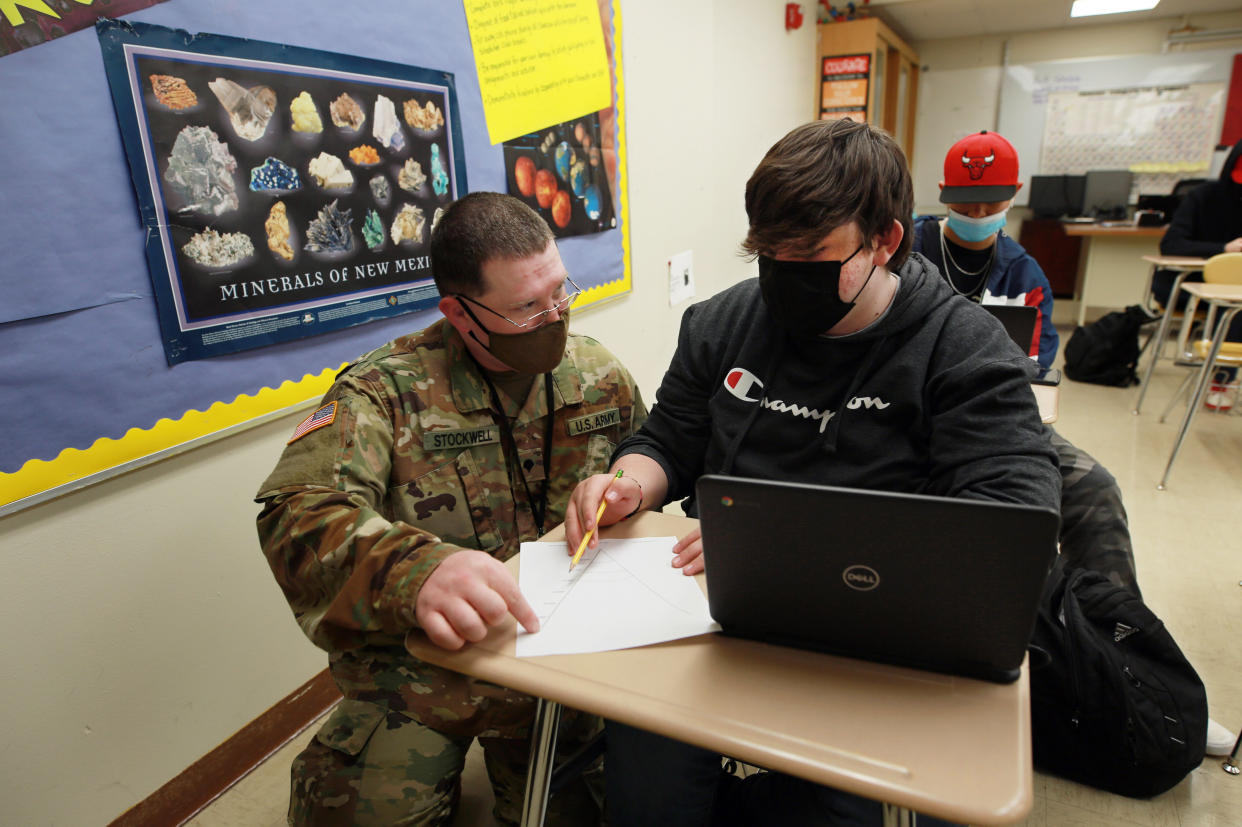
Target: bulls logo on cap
980 167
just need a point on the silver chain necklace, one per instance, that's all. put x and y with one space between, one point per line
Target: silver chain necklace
951 265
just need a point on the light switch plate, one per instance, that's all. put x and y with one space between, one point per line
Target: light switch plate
680 277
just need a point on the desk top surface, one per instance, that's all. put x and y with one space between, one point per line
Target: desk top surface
1215 292
1048 397
952 747
1126 229
1177 262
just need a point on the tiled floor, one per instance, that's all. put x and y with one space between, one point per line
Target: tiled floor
1188 543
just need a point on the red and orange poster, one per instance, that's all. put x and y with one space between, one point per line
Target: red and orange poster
844 86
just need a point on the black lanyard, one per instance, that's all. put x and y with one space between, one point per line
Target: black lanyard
538 508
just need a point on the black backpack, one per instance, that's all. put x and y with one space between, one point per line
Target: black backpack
1116 705
1106 352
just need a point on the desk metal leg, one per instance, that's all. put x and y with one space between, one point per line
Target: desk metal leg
542 756
895 816
1230 764
1160 334
1205 378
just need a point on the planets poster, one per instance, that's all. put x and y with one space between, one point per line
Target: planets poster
561 172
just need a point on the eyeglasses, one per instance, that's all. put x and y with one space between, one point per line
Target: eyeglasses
569 287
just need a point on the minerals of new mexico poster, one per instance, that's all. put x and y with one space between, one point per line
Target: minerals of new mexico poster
286 192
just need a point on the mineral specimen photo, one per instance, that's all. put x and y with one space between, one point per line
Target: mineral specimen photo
386 128
200 171
426 118
330 232
173 92
329 172
274 175
411 178
408 225
249 110
304 113
346 112
212 249
277 228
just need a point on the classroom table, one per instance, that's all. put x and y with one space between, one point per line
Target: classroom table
1182 265
1122 240
1227 299
948 746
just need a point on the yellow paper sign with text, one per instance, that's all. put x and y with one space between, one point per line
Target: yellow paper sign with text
540 62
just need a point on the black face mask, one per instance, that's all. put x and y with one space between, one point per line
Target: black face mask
804 297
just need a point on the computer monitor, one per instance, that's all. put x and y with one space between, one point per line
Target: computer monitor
1056 196
1106 194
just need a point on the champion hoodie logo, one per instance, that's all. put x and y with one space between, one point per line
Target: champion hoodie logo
741 382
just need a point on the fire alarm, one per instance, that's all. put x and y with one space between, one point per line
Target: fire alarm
793 16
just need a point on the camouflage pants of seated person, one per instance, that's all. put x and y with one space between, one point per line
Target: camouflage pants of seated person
1095 532
371 766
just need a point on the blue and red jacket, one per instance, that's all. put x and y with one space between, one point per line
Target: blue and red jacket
1016 278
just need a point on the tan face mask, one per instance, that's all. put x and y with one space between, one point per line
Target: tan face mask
530 352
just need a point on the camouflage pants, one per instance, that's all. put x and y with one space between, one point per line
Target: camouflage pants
371 766
1095 534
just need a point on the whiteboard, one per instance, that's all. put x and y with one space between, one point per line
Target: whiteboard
1026 90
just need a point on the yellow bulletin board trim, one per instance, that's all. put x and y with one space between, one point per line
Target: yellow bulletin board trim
613 289
39 480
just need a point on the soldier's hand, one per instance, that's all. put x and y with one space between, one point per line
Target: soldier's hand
688 552
466 595
622 497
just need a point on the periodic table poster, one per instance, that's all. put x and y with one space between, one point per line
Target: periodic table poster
1161 134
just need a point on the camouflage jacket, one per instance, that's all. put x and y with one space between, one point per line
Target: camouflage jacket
406 467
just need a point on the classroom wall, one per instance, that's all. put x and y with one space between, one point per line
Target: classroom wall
142 625
958 90
958 94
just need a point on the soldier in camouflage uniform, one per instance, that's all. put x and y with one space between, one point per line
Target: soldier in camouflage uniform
394 505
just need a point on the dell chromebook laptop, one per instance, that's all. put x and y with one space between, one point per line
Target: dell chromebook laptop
948 585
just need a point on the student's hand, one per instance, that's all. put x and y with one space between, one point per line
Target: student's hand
466 594
1234 246
688 553
622 497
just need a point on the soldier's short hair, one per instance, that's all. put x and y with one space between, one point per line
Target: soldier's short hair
478 228
822 176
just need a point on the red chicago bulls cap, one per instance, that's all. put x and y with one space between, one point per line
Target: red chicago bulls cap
980 167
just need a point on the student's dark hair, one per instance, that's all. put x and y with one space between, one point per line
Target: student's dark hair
480 227
823 175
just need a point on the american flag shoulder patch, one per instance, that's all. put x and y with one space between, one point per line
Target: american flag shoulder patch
324 416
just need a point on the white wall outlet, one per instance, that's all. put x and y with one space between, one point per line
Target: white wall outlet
680 277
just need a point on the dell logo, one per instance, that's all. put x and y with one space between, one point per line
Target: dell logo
861 578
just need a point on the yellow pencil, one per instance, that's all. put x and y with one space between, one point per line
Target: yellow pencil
598 513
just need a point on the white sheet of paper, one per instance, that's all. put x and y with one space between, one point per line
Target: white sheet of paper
622 593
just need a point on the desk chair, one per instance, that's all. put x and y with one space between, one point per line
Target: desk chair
1224 268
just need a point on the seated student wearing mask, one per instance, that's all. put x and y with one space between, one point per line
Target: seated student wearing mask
395 504
980 262
841 311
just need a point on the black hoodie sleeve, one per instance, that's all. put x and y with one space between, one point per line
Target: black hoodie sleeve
986 438
1184 235
678 429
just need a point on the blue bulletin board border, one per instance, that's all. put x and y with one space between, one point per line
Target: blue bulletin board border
205 312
